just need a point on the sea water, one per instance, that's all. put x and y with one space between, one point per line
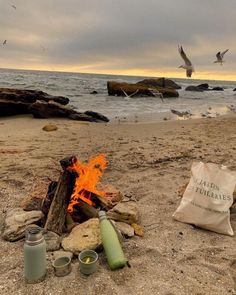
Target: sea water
77 87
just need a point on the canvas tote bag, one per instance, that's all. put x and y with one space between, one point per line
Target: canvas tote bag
208 197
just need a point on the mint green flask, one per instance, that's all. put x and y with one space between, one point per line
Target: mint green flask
111 243
35 264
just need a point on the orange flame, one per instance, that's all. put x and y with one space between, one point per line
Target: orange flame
88 177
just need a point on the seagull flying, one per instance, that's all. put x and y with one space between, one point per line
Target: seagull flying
220 56
188 65
4 42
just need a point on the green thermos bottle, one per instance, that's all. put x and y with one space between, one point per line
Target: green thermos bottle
35 263
111 243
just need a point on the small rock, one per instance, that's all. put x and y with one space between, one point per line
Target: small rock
52 241
125 229
94 92
138 230
124 212
83 236
50 127
16 222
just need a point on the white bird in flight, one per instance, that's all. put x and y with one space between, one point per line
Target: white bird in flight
188 65
220 56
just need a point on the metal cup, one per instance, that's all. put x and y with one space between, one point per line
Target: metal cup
88 261
62 266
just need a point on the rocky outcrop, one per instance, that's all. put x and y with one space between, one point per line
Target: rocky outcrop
41 105
120 88
29 96
160 82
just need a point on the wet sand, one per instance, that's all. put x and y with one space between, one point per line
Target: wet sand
148 161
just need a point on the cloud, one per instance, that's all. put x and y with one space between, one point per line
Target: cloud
116 35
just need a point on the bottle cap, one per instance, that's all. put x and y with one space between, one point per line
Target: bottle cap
34 235
102 214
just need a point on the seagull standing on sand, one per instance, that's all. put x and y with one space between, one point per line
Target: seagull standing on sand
220 56
4 42
188 65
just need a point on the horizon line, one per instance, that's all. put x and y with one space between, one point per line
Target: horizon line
110 74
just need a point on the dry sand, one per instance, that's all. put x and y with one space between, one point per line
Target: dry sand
148 161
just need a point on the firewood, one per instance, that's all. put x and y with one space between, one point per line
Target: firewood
88 210
58 209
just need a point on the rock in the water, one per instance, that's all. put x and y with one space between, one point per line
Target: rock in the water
118 89
94 92
50 127
193 88
61 253
124 212
52 240
203 86
83 236
160 82
218 88
16 222
126 229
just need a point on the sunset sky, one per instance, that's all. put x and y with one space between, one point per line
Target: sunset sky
130 37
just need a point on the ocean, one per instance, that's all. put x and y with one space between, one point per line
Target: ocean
77 87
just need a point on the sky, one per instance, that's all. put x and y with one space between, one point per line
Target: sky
130 37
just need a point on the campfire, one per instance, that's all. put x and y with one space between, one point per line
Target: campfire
76 196
72 201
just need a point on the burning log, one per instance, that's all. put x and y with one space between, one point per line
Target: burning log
88 210
58 209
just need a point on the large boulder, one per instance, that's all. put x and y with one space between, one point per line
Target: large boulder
119 88
160 82
83 236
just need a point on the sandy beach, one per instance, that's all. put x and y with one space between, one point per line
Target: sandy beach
148 161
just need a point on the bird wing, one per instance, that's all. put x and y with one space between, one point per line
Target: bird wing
184 57
223 53
218 56
4 42
189 73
